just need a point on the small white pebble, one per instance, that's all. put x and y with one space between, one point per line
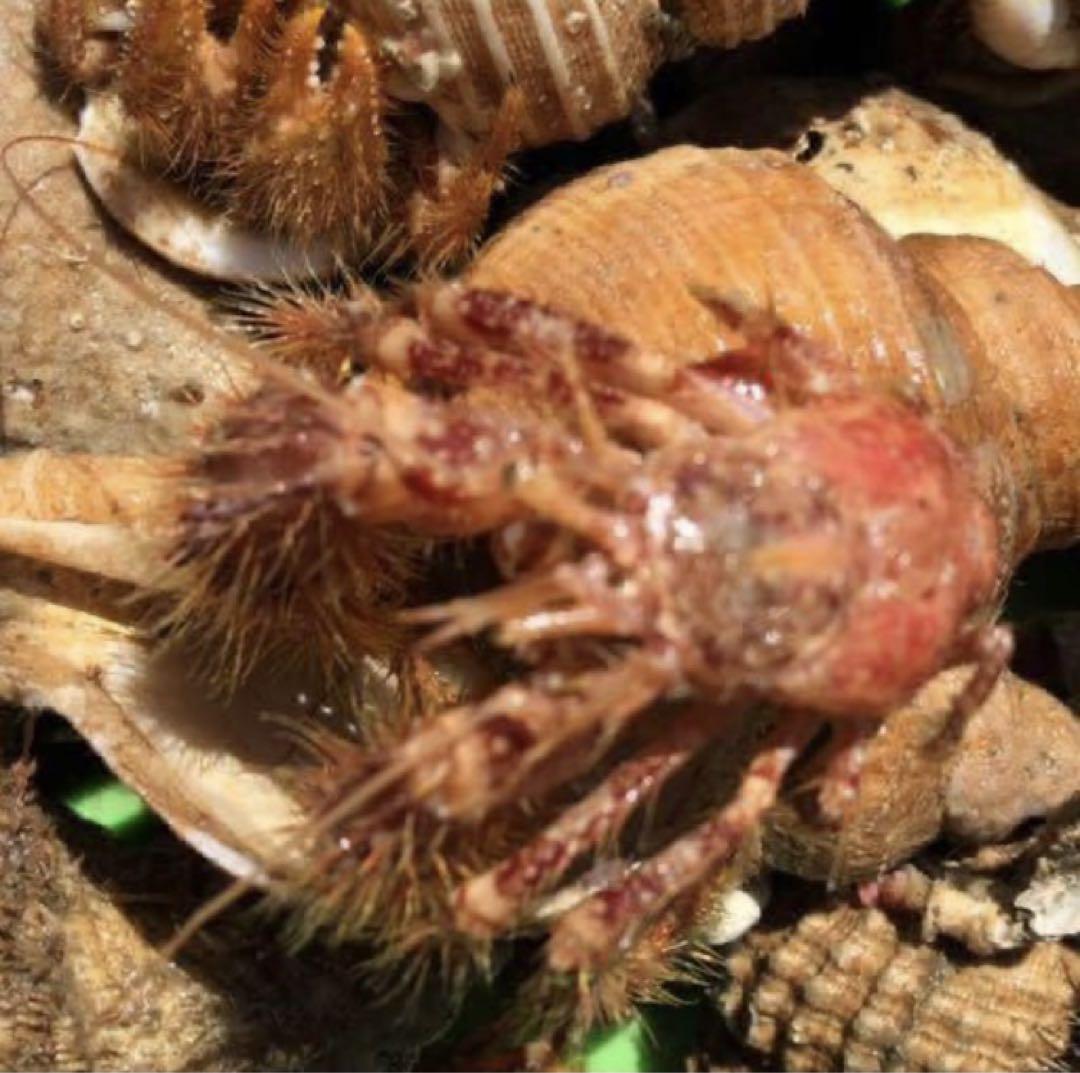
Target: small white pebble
76 322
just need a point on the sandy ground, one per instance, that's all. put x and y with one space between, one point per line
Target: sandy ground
85 362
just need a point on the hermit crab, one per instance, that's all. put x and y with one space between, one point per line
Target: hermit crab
349 128
714 491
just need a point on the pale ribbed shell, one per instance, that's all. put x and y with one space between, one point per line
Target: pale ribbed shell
580 63
842 991
731 22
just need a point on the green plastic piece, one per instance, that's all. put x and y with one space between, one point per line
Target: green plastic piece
112 805
625 1048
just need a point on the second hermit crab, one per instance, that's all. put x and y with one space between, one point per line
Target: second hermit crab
348 129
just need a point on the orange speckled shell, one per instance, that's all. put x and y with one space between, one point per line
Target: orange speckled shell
963 325
841 990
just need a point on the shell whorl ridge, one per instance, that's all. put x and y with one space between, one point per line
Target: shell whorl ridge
843 990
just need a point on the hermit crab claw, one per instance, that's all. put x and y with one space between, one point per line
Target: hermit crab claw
165 216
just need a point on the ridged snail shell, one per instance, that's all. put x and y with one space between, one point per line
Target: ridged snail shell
842 990
580 63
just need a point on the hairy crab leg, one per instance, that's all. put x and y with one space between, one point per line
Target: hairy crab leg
461 339
513 736
421 356
386 456
494 901
445 215
760 352
590 934
838 783
569 599
483 336
472 758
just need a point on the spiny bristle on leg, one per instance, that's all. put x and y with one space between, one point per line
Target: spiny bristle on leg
310 154
560 1009
255 27
318 332
446 214
267 559
176 83
394 888
78 38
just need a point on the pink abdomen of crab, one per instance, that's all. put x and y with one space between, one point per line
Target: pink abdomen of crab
832 559
927 550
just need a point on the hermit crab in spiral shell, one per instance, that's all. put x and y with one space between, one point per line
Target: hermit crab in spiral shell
370 128
730 473
742 532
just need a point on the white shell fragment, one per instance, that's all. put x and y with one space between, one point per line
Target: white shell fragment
173 223
1054 905
919 170
734 914
1052 898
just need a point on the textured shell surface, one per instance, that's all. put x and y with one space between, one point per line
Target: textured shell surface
730 22
843 990
579 63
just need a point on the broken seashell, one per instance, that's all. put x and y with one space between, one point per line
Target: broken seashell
920 170
915 168
1052 898
211 769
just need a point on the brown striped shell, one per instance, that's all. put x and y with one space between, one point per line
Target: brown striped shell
580 63
842 990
